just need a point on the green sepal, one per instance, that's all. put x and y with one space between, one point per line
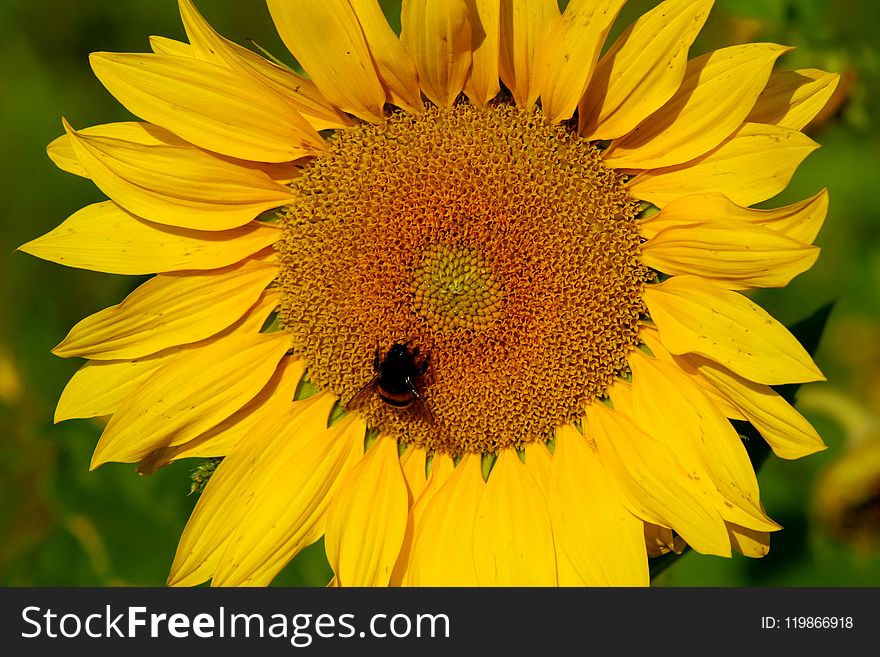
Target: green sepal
202 473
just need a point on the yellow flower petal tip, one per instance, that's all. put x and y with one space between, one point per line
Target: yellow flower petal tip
420 313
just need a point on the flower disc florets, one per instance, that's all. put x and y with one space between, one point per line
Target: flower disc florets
499 245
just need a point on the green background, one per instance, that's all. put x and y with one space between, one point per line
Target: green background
63 525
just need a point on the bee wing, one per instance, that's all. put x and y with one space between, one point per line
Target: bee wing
367 387
424 410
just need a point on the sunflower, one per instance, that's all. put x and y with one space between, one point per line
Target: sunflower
471 303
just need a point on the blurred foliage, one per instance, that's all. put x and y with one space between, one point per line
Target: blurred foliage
64 525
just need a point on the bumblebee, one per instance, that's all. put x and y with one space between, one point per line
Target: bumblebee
396 376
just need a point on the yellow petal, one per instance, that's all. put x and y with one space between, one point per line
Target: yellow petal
513 538
793 98
603 541
620 394
212 522
61 151
788 433
99 387
717 93
438 35
754 164
271 402
566 574
367 518
301 432
165 46
482 85
299 92
650 336
696 316
442 551
642 70
104 237
732 253
749 542
190 394
539 459
205 43
668 405
177 185
569 52
413 463
146 134
441 468
210 106
800 221
327 41
396 68
661 540
169 310
523 25
652 484
284 503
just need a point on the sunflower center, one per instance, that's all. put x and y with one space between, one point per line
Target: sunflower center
452 286
499 246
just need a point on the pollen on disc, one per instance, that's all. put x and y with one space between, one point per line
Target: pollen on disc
499 245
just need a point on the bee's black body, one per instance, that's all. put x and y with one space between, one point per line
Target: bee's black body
396 376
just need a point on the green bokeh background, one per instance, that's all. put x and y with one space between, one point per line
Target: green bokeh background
61 525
